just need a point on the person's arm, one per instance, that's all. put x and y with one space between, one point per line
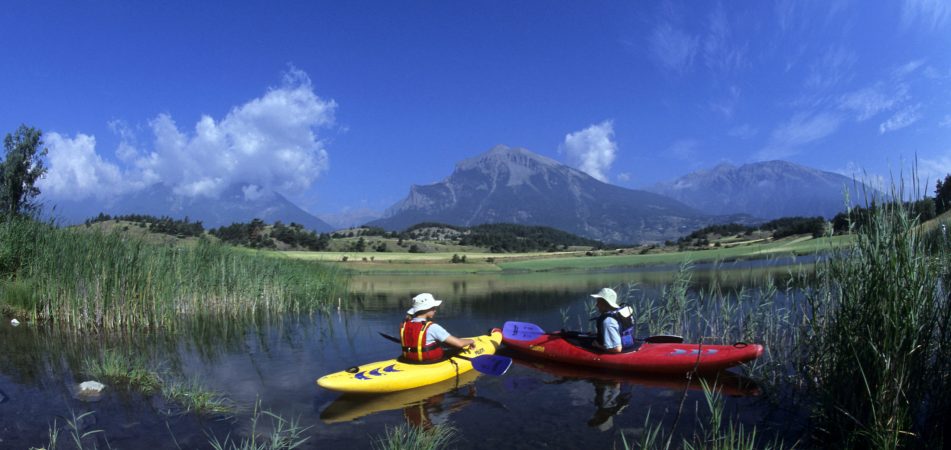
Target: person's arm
462 343
440 334
612 336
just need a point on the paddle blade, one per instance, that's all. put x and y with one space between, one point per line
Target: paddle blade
491 364
664 339
521 331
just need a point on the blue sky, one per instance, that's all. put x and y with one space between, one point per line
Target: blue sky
342 106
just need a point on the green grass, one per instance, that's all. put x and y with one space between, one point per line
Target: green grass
786 246
196 398
478 262
879 337
123 369
88 279
278 434
408 437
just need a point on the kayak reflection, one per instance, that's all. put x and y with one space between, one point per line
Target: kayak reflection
425 406
613 391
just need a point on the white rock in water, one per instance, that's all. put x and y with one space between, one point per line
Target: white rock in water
15 322
90 391
93 386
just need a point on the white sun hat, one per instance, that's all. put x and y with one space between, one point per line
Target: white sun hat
609 296
423 302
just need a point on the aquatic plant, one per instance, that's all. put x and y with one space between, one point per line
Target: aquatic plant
878 337
407 437
196 398
717 432
124 369
282 434
89 279
74 425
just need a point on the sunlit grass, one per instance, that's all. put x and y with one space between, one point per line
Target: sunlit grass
84 279
123 369
408 437
196 398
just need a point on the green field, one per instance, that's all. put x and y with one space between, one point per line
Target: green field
483 262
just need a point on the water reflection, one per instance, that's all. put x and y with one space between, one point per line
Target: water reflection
418 403
276 360
613 392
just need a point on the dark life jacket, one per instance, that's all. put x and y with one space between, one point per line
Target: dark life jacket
413 337
625 326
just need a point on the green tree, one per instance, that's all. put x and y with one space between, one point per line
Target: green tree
20 170
942 195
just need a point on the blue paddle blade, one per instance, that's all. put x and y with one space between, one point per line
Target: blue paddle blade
491 364
521 331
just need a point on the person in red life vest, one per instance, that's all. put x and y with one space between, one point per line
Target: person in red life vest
421 337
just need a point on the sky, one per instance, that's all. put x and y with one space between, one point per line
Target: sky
342 106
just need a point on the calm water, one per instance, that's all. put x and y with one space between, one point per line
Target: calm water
277 360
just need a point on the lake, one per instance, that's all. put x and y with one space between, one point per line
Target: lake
275 361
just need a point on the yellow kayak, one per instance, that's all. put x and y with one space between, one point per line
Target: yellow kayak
353 406
395 375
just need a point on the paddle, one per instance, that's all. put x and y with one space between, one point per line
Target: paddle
524 331
487 364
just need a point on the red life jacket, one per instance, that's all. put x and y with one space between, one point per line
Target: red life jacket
413 337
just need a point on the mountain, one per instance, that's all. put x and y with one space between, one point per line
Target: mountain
349 218
232 206
514 185
768 190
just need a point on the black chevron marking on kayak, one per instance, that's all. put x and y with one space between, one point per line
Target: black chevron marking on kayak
391 368
376 372
361 376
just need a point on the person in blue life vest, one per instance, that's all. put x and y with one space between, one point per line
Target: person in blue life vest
615 324
422 338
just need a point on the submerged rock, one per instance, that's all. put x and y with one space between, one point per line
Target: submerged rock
90 391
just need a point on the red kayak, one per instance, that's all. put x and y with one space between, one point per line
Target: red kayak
655 356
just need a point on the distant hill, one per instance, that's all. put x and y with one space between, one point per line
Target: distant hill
232 206
767 190
514 185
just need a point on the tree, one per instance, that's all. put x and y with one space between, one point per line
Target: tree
20 170
942 195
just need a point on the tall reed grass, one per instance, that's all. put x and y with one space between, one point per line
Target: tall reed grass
878 337
84 279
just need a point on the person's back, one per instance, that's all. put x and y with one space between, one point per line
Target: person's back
422 338
615 324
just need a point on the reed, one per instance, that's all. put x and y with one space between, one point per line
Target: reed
877 333
407 437
196 398
278 434
124 369
716 431
89 279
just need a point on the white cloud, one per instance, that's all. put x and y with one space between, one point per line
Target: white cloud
946 121
930 14
800 130
593 149
673 48
901 119
76 171
868 102
624 177
267 143
833 68
719 52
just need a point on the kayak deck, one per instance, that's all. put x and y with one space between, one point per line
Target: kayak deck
649 358
395 375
